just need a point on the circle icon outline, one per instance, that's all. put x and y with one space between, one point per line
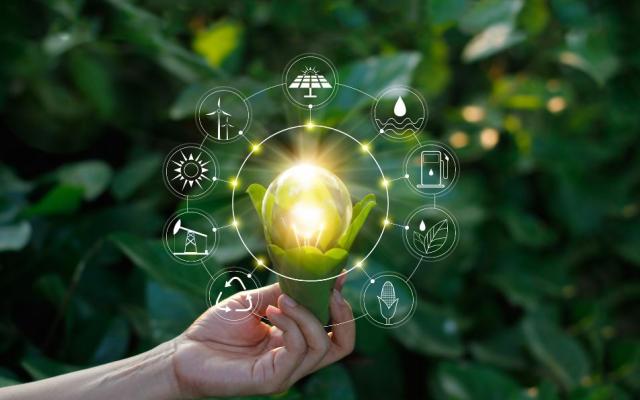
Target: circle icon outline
259 145
416 253
244 273
209 93
371 281
442 146
167 180
423 104
285 81
166 230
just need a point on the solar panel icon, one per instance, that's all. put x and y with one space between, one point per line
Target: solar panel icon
310 79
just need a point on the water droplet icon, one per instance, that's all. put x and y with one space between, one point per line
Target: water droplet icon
423 226
430 172
400 109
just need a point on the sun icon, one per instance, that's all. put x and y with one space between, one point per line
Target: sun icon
191 170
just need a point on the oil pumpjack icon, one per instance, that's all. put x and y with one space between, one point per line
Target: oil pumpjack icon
190 242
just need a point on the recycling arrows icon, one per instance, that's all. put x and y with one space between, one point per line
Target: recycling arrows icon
227 284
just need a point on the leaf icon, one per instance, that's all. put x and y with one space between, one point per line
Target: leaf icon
418 239
436 237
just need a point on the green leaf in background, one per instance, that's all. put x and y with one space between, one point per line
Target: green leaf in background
217 42
114 343
371 75
14 237
41 367
482 14
468 381
431 331
492 40
591 52
92 176
561 354
330 383
152 258
93 79
134 175
62 199
7 378
170 311
527 229
446 11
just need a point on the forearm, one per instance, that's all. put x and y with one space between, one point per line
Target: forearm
146 376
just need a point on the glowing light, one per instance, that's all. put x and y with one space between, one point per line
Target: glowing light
255 147
489 138
359 264
556 104
309 206
309 125
308 222
386 222
233 182
365 148
473 113
459 139
235 223
406 176
260 262
385 183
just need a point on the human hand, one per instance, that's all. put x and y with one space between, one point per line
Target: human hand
215 357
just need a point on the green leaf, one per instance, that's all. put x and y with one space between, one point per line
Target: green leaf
492 40
431 331
14 237
114 343
534 17
468 381
503 350
560 353
170 311
360 211
592 53
445 11
152 258
92 176
134 175
371 75
93 79
62 199
41 367
484 13
256 193
527 229
217 42
600 392
330 383
7 378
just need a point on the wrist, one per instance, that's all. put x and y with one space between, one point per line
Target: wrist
149 375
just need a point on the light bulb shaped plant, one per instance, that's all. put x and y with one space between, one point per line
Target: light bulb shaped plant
309 225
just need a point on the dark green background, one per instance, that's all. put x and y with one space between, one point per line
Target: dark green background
539 300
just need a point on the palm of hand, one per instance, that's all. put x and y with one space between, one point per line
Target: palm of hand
215 357
224 354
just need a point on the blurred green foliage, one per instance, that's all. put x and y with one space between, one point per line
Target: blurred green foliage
540 98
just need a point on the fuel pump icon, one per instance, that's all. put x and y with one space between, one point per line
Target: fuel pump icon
433 169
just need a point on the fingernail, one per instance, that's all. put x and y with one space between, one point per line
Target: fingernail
338 296
288 301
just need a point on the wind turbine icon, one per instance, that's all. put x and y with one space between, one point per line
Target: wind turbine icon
220 114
